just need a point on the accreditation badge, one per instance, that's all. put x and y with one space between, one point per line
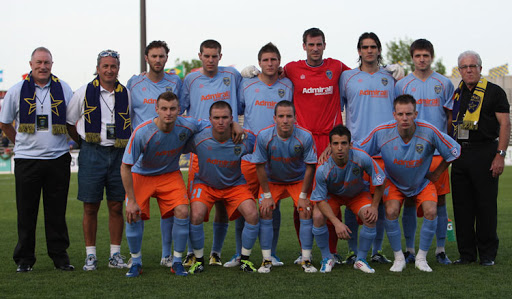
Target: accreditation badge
111 131
462 134
42 122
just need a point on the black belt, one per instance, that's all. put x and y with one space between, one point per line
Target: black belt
466 144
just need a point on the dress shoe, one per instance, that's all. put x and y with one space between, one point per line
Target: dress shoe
66 267
463 261
486 262
23 268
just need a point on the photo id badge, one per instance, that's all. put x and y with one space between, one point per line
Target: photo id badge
111 131
463 134
42 122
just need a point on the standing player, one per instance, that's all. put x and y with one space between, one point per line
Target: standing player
144 90
433 93
367 93
200 90
220 179
285 158
407 147
340 181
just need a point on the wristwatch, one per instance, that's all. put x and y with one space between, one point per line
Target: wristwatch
501 152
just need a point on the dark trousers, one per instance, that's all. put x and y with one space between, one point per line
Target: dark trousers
52 177
475 194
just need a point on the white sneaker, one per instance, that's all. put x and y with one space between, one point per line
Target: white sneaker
117 261
166 261
266 266
398 265
422 265
327 265
90 263
276 262
362 265
233 262
308 267
298 261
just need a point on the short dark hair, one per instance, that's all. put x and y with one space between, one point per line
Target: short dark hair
375 38
404 99
422 44
167 96
269 48
340 130
284 103
221 105
313 32
210 44
157 44
44 49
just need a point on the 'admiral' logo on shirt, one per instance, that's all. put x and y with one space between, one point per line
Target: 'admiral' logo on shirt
216 96
318 91
437 89
183 136
237 150
409 163
149 101
172 152
280 92
356 171
221 163
428 102
328 73
374 93
419 148
268 104
226 81
384 81
297 148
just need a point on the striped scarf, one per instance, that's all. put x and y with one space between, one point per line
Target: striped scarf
472 114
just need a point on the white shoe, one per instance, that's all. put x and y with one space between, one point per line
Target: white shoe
166 261
90 263
308 267
327 265
298 261
276 262
266 266
117 261
422 265
398 265
362 265
233 262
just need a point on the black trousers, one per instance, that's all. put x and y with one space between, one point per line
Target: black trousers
475 194
52 178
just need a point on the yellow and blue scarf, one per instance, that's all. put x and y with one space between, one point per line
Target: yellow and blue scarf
472 115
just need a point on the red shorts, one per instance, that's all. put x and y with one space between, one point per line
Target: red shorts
284 190
443 184
355 204
321 143
427 194
168 188
366 177
249 172
232 198
193 168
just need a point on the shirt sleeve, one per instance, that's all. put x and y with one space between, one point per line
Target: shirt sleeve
448 95
74 108
10 105
447 147
134 148
260 150
320 189
310 156
185 96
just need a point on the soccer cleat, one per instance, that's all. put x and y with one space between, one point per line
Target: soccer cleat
362 265
215 259
338 259
90 263
308 267
276 261
166 261
298 261
247 266
266 266
117 261
327 265
135 270
398 266
409 257
23 268
351 259
197 267
233 262
190 260
380 258
178 269
422 265
442 258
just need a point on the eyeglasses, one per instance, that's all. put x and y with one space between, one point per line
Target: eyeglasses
373 47
108 53
471 66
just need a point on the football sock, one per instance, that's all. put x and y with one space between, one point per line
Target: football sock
409 224
379 237
394 234
276 225
428 229
422 254
239 227
306 234
351 222
180 234
196 236
266 234
190 250
249 236
136 258
90 250
134 232
442 225
114 249
322 240
365 241
220 229
166 231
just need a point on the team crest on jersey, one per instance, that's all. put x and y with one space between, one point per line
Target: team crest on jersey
356 171
182 136
437 89
384 81
302 77
455 152
226 81
144 88
473 103
395 148
329 74
297 148
419 148
238 150
168 88
379 178
280 92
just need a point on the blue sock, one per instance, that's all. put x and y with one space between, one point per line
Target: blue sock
220 230
166 230
239 227
180 234
189 245
428 229
249 235
409 224
379 237
306 233
394 234
266 234
442 225
134 234
276 223
322 240
196 236
365 241
351 222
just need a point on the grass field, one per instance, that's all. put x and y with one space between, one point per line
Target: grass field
471 281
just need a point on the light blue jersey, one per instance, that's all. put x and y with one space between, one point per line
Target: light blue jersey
368 99
408 163
200 92
153 152
346 181
432 97
286 158
219 163
145 92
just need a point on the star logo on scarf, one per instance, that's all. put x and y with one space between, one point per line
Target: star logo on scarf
126 117
32 106
55 105
87 111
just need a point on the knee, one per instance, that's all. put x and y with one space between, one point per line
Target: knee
181 211
430 213
196 218
318 218
392 212
91 209
251 217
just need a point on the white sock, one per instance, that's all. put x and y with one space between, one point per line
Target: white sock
399 255
114 249
90 250
439 250
306 254
422 255
199 253
246 252
411 250
178 254
267 253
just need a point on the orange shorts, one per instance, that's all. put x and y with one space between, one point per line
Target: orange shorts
168 189
283 190
249 172
232 198
193 168
427 194
366 177
443 184
355 204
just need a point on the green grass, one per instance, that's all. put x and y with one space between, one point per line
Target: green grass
218 282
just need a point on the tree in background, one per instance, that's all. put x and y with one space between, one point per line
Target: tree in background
188 65
398 51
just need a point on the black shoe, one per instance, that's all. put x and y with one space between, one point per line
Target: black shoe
486 262
462 261
23 268
66 267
